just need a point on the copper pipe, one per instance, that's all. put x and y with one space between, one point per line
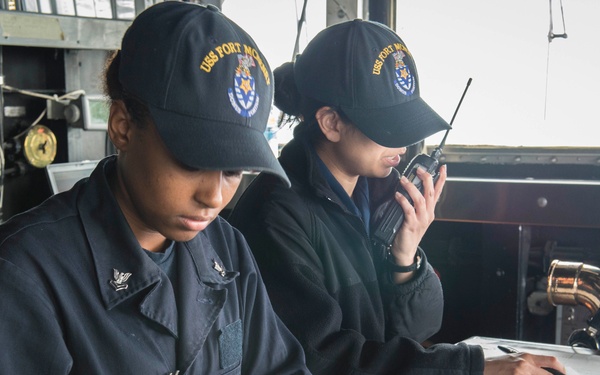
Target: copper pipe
573 283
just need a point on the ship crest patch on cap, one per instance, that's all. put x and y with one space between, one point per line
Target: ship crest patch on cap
243 96
405 81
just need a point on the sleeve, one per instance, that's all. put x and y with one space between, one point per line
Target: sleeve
295 278
414 309
268 346
30 333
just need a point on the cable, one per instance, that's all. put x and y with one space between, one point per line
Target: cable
300 22
551 34
342 10
551 37
37 120
68 96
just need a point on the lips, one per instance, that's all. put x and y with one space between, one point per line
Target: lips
393 161
195 223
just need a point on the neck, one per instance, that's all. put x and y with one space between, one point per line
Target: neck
148 239
347 181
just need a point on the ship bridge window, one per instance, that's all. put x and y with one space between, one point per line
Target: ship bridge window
529 89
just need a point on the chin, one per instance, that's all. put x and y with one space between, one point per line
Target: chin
385 173
182 236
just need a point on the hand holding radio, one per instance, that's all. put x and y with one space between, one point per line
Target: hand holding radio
388 217
419 214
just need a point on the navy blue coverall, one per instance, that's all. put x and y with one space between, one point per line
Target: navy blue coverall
78 295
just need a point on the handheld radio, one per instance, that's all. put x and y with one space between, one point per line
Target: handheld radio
389 216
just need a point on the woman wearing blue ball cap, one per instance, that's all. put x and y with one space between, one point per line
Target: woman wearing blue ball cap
132 271
356 307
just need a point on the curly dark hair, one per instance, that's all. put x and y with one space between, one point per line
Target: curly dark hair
114 91
297 108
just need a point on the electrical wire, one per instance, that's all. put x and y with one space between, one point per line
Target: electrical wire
68 96
37 120
551 36
301 21
346 16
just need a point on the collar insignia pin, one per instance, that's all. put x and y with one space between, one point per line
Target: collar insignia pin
119 281
219 268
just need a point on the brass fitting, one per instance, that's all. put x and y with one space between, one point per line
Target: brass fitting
574 283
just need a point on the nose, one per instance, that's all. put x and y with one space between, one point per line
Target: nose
402 150
209 189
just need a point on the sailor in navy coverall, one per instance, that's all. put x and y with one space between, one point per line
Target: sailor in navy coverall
62 310
132 271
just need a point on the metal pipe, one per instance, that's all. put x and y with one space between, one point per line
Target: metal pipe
574 283
383 11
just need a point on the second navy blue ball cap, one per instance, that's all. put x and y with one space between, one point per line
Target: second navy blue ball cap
365 70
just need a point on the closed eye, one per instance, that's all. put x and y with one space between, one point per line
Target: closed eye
232 173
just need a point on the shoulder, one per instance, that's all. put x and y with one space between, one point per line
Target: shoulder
265 190
222 231
267 202
42 233
226 240
36 248
33 224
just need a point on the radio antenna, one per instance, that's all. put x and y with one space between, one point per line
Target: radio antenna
454 115
437 152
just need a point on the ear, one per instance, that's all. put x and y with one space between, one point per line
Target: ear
330 123
119 125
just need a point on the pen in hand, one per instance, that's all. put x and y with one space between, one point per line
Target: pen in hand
511 350
508 349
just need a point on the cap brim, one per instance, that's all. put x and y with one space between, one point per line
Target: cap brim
398 126
215 145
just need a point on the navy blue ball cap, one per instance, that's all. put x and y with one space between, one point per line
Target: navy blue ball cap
208 87
366 71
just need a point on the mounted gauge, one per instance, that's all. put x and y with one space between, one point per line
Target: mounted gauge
39 146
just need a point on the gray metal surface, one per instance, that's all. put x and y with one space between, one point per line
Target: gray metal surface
53 31
520 155
566 203
83 70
